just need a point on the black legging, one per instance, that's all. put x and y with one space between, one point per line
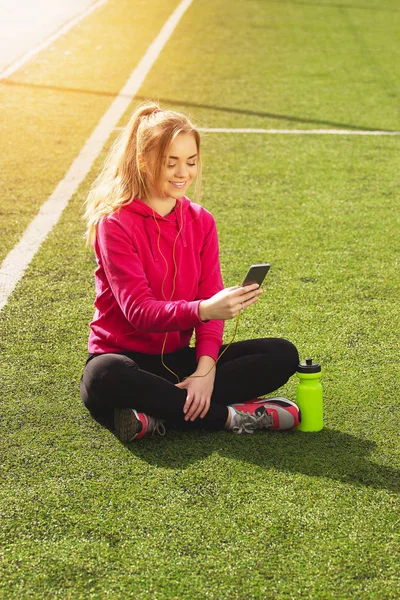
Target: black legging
248 369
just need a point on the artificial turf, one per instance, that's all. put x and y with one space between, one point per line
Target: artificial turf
51 106
213 515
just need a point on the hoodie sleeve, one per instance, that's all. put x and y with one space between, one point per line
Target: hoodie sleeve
209 333
129 286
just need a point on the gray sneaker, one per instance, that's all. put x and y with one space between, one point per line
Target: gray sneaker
285 414
131 425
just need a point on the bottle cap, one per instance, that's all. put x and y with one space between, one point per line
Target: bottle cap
309 367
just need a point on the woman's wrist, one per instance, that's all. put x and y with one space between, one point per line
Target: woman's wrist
203 311
205 365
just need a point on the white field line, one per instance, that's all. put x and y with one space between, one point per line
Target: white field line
52 38
21 255
299 131
293 131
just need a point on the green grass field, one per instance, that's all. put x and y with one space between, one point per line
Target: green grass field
213 515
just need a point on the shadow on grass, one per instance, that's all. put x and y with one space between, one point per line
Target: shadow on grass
213 107
329 453
335 5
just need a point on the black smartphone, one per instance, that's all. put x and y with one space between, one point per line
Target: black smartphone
256 274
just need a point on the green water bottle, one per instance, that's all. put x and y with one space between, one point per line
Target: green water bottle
309 396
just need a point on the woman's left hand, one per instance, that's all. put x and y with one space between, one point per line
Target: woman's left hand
199 392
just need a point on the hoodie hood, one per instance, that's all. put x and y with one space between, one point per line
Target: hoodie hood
141 208
168 226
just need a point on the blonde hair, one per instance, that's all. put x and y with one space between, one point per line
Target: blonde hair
150 129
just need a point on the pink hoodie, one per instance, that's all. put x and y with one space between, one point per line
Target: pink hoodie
135 300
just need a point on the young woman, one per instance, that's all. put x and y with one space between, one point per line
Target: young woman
158 279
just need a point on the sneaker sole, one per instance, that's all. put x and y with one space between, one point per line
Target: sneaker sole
126 424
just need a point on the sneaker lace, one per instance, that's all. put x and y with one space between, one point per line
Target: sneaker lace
249 423
264 421
157 426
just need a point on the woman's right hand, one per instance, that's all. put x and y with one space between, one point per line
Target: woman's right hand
227 303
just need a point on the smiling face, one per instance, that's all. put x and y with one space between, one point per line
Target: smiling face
179 169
